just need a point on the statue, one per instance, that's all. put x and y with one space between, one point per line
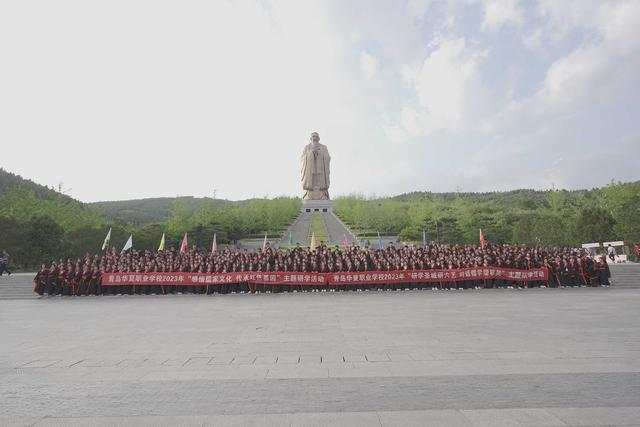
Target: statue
315 170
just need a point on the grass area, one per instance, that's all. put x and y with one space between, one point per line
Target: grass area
319 228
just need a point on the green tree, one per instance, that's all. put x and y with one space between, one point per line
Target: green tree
594 224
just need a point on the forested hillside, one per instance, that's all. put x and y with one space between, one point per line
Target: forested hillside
522 216
142 211
38 223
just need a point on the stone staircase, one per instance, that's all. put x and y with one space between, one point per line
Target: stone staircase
17 286
625 275
336 230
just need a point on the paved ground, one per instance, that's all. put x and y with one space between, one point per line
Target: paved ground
491 357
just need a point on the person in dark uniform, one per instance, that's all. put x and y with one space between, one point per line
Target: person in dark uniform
40 281
4 263
603 272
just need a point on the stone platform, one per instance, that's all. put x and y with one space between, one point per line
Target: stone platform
493 357
317 206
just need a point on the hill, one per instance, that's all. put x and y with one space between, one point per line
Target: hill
9 181
142 211
39 224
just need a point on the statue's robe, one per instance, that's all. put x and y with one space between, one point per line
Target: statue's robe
315 172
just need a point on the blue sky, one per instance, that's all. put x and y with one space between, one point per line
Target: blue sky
130 99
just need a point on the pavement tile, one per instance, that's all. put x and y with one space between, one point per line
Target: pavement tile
144 421
399 357
18 421
360 370
41 363
377 357
298 371
131 363
260 420
530 417
354 358
289 358
435 418
198 361
622 416
172 362
312 359
222 359
421 355
346 419
247 359
266 360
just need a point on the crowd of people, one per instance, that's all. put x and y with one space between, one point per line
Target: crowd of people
82 276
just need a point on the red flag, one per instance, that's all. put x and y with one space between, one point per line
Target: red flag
483 241
184 246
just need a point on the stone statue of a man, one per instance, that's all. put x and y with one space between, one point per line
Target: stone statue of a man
315 170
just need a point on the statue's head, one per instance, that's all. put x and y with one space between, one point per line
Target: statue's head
315 137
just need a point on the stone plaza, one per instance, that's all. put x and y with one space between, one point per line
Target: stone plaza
543 357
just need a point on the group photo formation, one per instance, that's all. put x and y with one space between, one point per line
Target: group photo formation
322 268
314 247
386 213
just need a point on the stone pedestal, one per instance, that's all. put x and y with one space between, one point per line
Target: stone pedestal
316 206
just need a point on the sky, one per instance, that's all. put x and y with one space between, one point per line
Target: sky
132 99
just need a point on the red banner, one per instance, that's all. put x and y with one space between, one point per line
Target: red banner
314 279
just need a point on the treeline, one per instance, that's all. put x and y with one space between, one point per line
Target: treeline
523 216
145 211
39 224
34 231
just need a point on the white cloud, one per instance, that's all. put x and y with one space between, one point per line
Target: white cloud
595 71
408 75
222 86
449 89
369 65
172 99
498 13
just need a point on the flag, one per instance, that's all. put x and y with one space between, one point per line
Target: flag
379 241
184 245
312 244
107 239
483 241
264 243
290 238
214 245
161 247
345 242
128 244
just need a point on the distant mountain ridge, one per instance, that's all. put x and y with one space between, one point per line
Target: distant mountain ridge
141 211
158 209
8 180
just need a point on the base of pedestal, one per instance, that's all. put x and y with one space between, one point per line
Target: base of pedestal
316 205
